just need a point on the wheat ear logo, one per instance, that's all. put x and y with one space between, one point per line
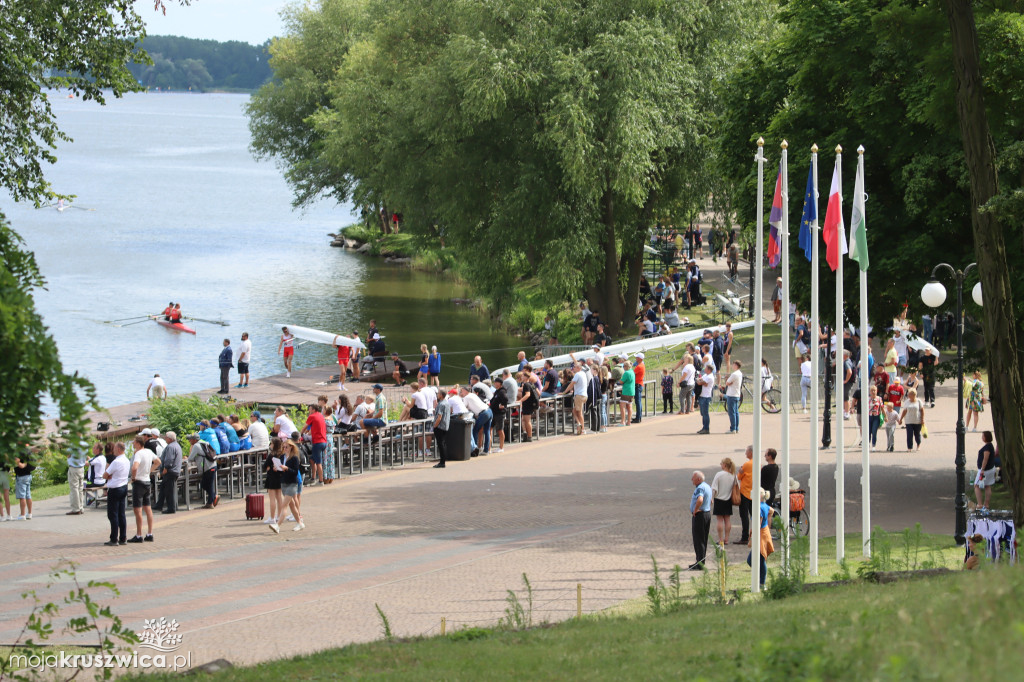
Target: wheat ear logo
161 635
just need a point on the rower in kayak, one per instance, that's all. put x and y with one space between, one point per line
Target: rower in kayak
166 314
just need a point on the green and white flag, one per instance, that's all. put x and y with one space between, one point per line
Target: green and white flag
858 225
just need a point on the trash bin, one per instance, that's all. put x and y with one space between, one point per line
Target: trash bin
458 439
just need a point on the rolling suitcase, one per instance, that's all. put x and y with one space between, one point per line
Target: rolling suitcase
254 506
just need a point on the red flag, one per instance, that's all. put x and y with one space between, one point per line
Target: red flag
834 230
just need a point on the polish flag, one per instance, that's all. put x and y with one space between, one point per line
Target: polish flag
834 230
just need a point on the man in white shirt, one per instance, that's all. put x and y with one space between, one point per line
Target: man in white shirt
362 409
477 385
285 427
687 382
457 405
805 380
258 432
143 463
116 475
430 398
732 387
706 381
244 357
578 386
481 416
157 389
900 344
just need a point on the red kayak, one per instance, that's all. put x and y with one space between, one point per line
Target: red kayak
176 326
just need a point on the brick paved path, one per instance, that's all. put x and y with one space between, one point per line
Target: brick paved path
425 543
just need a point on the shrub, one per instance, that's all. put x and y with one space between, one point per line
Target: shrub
53 467
181 412
360 233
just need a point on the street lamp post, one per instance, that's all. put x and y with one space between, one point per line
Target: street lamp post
826 417
751 287
934 295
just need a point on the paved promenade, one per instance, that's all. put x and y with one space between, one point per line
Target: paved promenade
426 543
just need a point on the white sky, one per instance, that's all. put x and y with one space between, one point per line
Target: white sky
251 21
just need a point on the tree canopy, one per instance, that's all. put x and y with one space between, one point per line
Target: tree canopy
877 73
540 137
177 63
84 46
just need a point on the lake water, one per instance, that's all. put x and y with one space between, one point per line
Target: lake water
179 210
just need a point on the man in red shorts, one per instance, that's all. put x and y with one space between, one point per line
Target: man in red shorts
344 356
287 349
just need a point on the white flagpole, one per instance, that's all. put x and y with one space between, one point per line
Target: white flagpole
755 489
814 328
840 369
786 353
865 347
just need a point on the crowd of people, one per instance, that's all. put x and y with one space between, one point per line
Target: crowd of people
729 488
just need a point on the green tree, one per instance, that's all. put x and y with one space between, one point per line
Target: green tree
802 88
29 359
229 65
83 46
883 78
1006 385
195 74
550 131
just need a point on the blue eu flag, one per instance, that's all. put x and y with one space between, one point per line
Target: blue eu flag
809 216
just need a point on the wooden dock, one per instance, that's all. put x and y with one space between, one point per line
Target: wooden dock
301 388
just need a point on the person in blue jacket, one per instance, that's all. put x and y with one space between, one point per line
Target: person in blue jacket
224 360
222 436
229 431
434 367
208 435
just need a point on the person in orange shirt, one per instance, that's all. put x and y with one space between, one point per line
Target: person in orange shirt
746 479
638 370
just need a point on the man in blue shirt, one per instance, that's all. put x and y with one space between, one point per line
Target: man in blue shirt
700 511
225 366
479 369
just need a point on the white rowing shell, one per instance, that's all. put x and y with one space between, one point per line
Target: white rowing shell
317 336
640 345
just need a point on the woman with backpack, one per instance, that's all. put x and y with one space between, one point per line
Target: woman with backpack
202 456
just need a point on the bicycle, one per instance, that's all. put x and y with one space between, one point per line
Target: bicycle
771 399
799 521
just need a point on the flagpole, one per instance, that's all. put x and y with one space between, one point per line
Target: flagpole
786 353
814 328
840 368
865 347
755 488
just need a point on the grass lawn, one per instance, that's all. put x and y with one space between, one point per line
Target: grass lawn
44 492
946 627
949 627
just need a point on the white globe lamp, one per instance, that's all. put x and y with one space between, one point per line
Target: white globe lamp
934 294
976 293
